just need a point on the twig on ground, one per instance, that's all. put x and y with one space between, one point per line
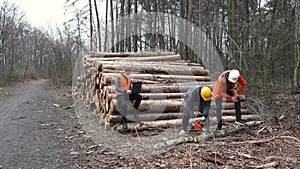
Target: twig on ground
288 159
137 134
290 137
262 129
268 165
253 141
249 156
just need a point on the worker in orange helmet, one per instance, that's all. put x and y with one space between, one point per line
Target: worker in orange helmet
197 96
225 88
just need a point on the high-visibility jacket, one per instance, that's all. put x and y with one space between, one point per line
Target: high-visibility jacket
222 85
124 84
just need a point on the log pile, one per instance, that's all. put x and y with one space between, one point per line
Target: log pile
165 77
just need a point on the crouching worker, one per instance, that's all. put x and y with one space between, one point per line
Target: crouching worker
196 96
124 95
225 88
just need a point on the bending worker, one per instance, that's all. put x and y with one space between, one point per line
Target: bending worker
196 96
225 88
124 96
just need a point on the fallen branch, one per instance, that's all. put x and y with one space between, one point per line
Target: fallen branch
290 137
288 159
252 141
202 137
268 165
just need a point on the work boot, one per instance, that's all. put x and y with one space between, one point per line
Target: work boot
125 125
240 122
182 132
219 127
124 122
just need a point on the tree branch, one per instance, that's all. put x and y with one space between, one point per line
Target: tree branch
202 137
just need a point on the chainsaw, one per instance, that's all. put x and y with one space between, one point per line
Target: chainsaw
198 124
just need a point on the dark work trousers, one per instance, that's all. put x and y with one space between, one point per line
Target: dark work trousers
137 98
237 106
125 100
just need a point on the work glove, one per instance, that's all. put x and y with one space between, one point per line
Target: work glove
236 95
233 99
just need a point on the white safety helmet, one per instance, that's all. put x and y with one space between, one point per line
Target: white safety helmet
233 75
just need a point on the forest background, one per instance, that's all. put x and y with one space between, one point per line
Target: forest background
260 38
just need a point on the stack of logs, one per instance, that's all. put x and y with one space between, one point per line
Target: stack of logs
165 77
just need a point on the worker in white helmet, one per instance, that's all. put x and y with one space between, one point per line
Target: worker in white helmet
225 88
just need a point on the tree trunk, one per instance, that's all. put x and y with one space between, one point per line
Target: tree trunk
128 27
135 36
161 106
91 25
166 88
157 69
110 77
203 137
177 122
150 58
112 26
106 27
98 25
228 116
297 34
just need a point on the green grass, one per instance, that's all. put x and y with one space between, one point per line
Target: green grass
57 91
3 91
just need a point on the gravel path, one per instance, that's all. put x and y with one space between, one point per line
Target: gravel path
30 133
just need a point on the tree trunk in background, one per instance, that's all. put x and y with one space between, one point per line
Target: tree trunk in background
106 27
122 30
297 35
91 25
189 30
135 36
128 27
200 28
263 37
98 25
112 26
181 29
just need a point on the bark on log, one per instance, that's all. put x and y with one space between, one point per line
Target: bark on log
167 88
160 106
175 122
116 118
127 54
202 137
160 69
150 106
130 58
151 96
119 64
109 78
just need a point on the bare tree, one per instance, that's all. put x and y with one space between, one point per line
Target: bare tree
91 25
297 51
98 24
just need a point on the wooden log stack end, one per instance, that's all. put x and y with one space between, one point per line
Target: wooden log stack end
165 77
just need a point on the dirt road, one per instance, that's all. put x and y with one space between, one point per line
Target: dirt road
30 131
